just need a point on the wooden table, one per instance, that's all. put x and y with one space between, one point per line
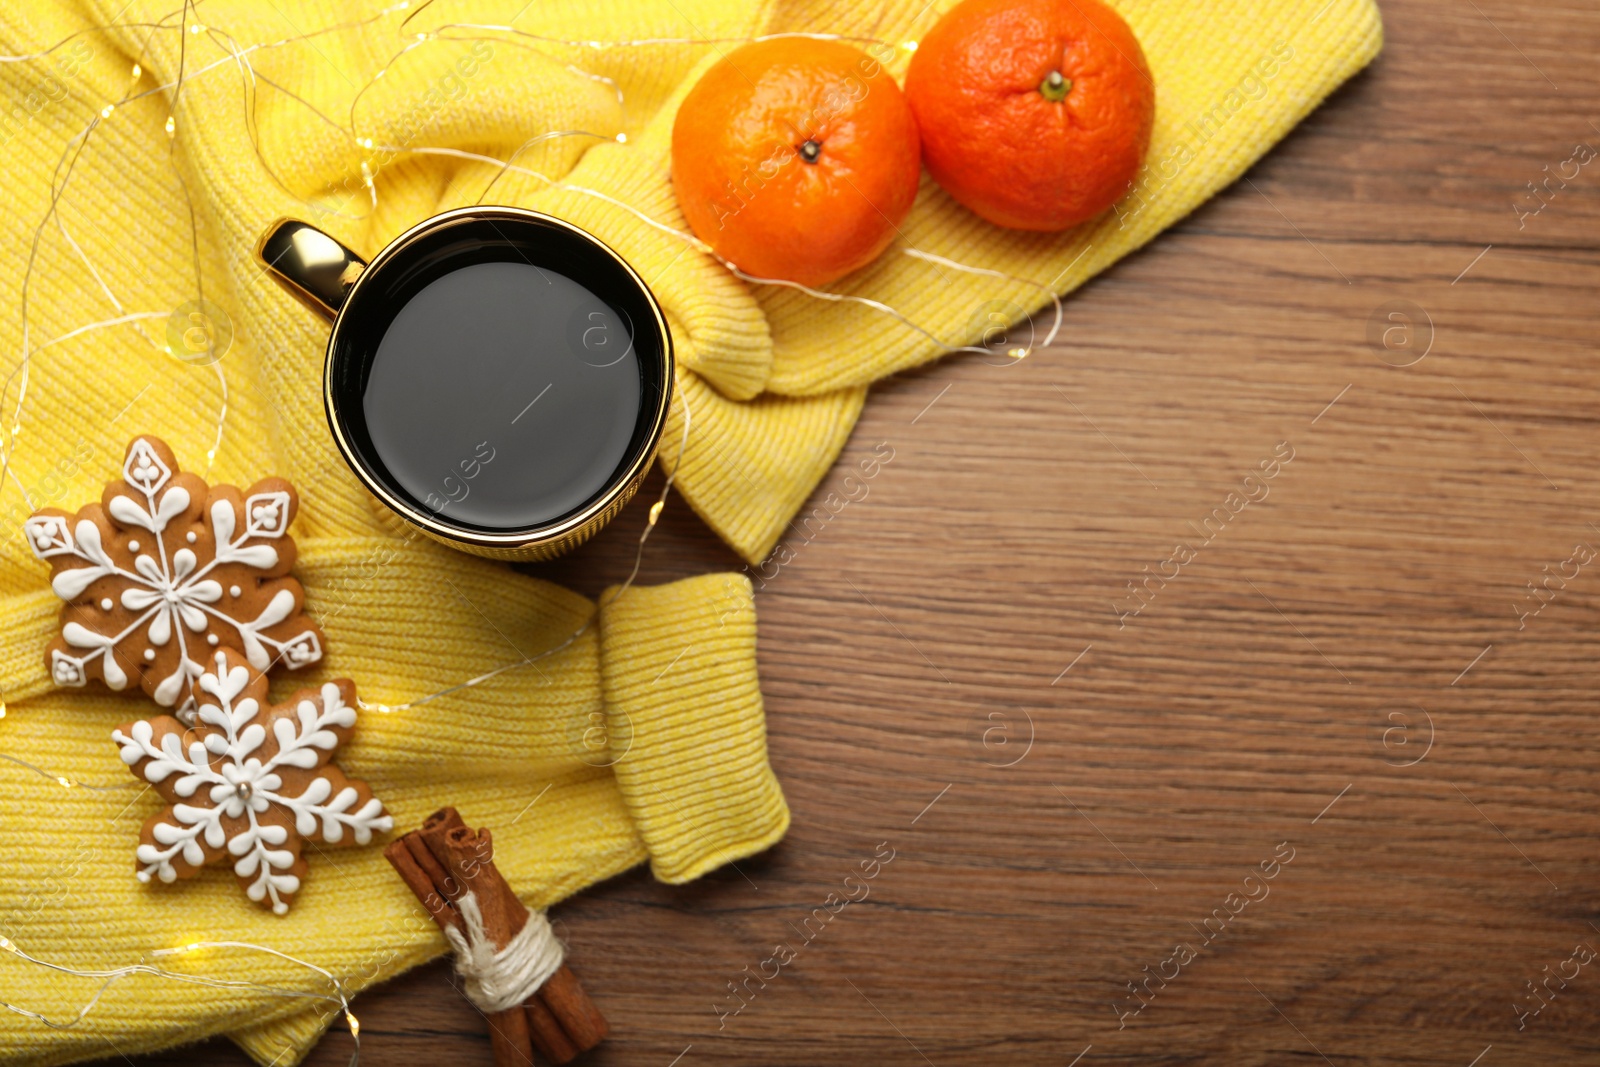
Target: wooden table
1339 674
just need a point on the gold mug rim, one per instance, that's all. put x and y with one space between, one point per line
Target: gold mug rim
623 482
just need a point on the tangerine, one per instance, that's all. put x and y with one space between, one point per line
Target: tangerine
796 159
1034 114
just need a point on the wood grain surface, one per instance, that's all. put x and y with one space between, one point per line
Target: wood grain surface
1076 796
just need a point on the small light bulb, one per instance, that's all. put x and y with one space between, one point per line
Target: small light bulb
106 111
172 126
655 511
366 142
137 70
910 46
197 28
355 1024
1018 353
68 782
622 138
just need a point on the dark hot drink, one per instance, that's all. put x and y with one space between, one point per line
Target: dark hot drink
497 377
503 395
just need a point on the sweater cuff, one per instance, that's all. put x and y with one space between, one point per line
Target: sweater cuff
685 723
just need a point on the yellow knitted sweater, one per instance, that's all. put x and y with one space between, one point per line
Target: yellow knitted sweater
282 112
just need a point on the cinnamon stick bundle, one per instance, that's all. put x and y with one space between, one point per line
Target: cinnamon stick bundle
443 861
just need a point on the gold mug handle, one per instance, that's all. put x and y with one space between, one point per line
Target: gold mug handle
314 268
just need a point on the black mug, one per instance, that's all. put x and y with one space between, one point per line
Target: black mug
496 376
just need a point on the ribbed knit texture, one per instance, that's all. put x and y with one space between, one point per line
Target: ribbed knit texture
775 380
694 784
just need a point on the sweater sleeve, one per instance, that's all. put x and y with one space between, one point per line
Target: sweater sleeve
685 723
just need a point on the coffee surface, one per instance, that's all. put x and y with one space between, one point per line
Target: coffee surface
503 395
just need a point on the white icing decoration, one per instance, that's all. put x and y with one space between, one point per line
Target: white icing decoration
149 653
144 469
278 608
171 686
125 511
298 651
70 585
80 636
67 670
267 514
191 537
227 774
48 535
161 628
169 591
115 677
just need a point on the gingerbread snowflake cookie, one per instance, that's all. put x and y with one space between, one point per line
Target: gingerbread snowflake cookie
164 570
249 782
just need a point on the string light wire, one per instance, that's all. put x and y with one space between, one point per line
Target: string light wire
112 975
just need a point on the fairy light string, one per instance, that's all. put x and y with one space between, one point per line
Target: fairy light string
61 779
110 976
186 22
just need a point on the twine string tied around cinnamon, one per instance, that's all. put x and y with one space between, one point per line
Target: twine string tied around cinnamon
497 980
